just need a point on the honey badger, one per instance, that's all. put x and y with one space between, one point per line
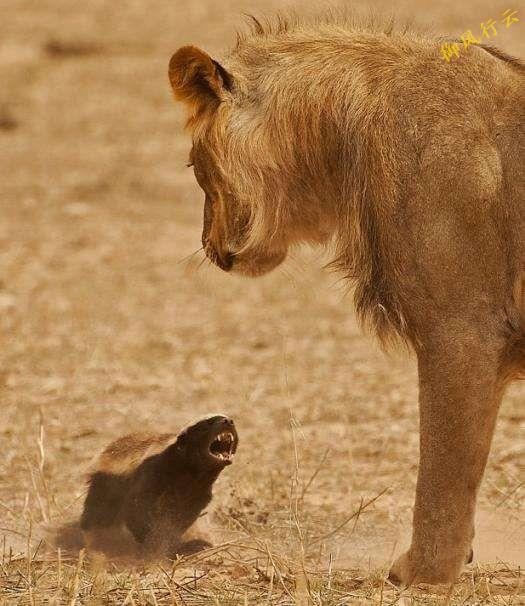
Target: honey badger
147 490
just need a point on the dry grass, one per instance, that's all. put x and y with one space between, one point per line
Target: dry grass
108 325
275 550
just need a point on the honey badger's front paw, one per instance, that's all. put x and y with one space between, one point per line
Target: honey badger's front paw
193 546
408 569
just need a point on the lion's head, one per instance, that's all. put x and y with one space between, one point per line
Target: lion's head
250 218
321 132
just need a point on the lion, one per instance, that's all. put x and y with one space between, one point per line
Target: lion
410 166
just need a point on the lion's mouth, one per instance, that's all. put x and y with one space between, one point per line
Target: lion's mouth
223 446
255 265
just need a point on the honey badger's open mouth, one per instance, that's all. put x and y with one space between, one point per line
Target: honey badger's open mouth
223 446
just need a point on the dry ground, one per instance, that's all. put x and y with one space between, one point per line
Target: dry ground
104 329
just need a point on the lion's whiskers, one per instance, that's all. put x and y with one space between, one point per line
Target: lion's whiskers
201 263
189 257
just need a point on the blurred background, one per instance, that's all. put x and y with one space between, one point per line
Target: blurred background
109 325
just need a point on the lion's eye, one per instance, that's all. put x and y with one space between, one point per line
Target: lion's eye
189 165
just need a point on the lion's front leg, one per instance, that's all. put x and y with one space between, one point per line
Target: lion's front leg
460 394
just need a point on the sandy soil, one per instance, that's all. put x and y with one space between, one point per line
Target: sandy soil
106 327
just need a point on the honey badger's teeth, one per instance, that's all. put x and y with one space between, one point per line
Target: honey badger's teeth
225 435
222 446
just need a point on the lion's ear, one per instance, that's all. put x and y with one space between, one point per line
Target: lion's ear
197 79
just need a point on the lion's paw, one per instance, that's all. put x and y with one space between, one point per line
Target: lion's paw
407 570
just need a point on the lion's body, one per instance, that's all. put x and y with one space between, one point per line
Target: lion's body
413 167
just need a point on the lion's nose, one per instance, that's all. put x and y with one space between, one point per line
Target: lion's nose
223 260
226 261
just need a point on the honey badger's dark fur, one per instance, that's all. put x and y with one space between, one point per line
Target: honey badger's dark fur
147 490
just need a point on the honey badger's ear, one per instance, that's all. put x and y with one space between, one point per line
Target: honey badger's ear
197 79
